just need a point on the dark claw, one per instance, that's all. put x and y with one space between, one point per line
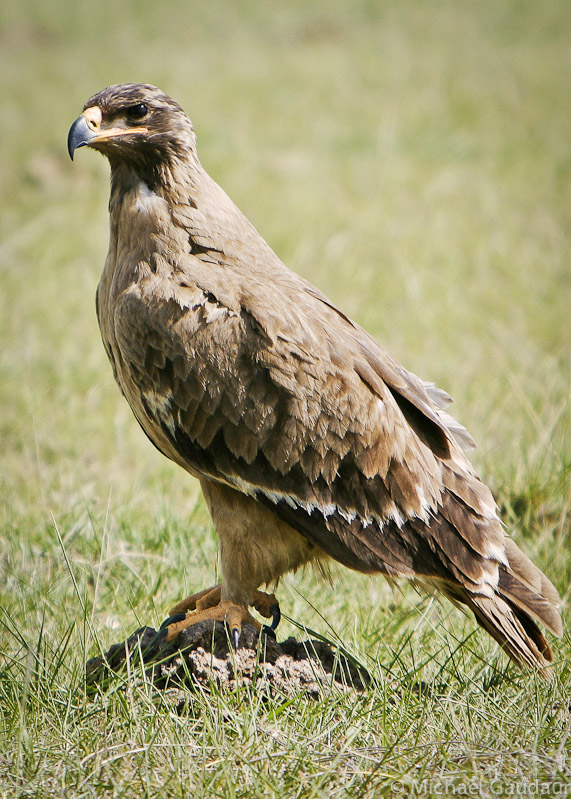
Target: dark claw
236 637
173 620
269 631
276 616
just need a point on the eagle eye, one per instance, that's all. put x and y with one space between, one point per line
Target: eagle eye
137 112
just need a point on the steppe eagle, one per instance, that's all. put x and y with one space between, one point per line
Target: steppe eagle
309 440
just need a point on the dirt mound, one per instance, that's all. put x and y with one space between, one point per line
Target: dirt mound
202 655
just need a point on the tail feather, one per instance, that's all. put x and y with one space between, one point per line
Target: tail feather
536 605
528 586
515 631
523 596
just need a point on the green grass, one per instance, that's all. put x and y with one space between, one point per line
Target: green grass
410 158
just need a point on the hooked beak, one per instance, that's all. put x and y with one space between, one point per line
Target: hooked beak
84 129
79 135
87 130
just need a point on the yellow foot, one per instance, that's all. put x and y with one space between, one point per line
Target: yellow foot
200 601
208 604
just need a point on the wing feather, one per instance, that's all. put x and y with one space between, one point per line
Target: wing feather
307 424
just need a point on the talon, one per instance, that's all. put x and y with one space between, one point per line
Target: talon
276 617
235 637
267 605
269 631
174 619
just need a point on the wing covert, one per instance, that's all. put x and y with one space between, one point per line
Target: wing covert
268 410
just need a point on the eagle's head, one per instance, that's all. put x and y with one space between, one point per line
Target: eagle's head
135 125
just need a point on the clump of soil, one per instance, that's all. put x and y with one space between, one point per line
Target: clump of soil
202 655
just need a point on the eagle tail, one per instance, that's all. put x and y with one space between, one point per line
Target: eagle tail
523 596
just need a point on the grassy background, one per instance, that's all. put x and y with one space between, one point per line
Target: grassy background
410 158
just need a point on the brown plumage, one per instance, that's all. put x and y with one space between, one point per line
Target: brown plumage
310 442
